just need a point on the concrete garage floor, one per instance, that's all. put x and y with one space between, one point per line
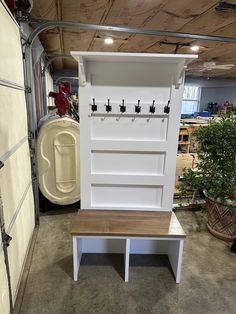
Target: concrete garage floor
208 276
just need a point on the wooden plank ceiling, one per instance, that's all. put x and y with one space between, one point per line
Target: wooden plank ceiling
191 16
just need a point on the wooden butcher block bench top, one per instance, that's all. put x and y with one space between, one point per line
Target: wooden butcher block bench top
126 223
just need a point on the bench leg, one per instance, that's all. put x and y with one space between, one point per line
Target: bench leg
175 253
127 251
77 254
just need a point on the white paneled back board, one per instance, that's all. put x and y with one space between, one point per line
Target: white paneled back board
128 158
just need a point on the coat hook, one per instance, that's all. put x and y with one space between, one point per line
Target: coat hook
108 106
123 107
137 107
167 107
94 107
152 108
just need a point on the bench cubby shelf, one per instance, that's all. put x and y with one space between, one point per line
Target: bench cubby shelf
128 233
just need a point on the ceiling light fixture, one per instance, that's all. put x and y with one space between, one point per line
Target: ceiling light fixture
195 48
108 41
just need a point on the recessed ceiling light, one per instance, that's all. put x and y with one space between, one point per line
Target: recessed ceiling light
108 41
195 48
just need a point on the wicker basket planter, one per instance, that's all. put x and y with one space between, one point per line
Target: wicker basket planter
221 219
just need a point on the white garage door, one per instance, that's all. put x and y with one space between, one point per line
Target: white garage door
15 175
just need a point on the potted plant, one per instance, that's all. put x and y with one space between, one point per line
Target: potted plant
216 175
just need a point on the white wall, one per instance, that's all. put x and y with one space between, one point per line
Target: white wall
15 176
217 94
214 90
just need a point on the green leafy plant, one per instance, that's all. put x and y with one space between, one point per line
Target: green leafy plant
216 171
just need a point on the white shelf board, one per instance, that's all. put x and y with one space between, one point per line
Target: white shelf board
133 57
168 64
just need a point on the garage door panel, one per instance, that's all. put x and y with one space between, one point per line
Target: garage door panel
11 68
13 118
15 176
20 240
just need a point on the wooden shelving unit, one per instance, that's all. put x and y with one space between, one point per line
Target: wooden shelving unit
184 140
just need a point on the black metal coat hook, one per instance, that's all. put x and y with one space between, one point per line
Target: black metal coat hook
94 107
137 107
108 106
152 108
123 107
167 107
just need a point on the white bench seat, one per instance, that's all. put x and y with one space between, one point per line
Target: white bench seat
128 232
